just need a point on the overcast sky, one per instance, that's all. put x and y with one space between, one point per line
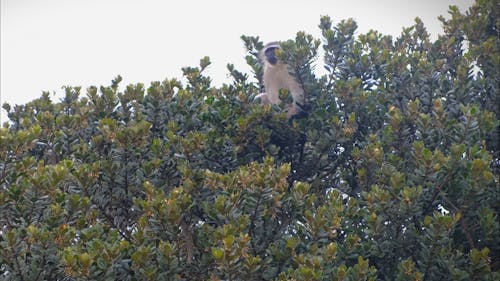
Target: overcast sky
47 44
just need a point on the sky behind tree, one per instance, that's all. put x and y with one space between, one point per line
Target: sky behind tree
47 44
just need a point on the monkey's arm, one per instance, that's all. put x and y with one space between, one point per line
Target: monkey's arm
264 98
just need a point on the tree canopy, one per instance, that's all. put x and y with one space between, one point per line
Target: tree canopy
393 173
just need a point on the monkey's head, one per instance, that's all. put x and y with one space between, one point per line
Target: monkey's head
268 53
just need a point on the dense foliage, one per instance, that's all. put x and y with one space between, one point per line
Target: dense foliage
393 174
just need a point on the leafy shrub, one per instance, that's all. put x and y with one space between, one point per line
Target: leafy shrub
392 175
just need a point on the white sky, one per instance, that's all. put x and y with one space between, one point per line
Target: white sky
47 44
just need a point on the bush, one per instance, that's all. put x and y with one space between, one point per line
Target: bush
392 175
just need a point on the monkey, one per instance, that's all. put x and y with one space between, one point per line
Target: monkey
277 77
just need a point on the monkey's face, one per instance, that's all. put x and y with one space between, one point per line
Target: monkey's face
270 55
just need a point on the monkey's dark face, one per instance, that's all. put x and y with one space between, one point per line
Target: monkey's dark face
270 54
